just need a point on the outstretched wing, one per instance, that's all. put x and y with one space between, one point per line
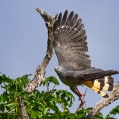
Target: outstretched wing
70 42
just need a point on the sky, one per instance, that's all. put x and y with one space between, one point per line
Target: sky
23 38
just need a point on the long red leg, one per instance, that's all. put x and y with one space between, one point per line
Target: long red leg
79 92
80 97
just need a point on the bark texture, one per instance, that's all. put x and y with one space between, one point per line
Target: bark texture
39 76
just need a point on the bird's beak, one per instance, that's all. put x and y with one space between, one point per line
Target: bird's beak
56 68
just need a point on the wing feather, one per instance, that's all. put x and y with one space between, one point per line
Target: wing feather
59 20
70 42
74 19
64 17
69 20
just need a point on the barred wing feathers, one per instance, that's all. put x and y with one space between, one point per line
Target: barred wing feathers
70 42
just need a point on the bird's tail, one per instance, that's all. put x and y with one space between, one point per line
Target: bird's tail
98 85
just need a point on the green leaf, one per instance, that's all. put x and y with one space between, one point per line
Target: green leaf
33 114
49 80
99 116
52 106
115 110
88 109
4 78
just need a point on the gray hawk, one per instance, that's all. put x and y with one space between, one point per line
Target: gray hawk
74 64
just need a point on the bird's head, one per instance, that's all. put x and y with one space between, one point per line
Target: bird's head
61 69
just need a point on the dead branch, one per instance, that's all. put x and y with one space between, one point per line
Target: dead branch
39 76
114 95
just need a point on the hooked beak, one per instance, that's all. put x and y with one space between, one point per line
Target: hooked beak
56 69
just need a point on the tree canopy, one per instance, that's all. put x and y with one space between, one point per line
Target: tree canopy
48 104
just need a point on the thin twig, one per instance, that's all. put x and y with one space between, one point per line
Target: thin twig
54 87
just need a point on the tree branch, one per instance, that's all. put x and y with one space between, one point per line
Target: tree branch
39 76
23 113
114 95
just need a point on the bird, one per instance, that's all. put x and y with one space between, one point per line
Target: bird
74 69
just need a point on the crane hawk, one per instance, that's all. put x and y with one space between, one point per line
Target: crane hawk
74 64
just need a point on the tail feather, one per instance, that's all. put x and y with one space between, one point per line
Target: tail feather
98 85
106 83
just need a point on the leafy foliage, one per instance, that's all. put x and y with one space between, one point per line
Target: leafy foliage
113 112
48 104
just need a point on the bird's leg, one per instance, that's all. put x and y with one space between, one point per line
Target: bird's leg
80 97
77 92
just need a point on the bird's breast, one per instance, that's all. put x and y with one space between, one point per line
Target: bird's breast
69 81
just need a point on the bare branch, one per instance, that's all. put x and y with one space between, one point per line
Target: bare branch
23 112
39 76
114 95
